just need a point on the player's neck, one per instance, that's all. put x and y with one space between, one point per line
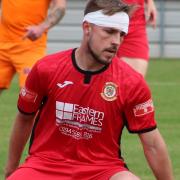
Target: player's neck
86 62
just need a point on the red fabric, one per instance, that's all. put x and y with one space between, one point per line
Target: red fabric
135 44
82 123
40 169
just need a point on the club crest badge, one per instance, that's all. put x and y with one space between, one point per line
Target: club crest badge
109 92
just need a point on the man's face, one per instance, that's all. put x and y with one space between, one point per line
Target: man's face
103 43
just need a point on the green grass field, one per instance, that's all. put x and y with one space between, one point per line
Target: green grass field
164 80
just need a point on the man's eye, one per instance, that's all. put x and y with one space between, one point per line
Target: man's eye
109 31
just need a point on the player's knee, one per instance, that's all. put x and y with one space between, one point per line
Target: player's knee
124 176
135 178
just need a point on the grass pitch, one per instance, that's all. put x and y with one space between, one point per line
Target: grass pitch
164 80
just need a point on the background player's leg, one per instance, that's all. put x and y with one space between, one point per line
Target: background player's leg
6 74
140 65
24 60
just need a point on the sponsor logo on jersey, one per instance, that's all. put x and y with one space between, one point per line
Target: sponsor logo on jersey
109 92
144 108
77 121
28 95
64 84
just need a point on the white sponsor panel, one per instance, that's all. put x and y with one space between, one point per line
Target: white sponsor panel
28 95
78 119
144 108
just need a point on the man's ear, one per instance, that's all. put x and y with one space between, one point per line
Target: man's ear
86 27
121 39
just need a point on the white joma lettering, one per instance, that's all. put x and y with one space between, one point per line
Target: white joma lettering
65 83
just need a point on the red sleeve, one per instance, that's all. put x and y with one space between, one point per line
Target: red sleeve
31 96
139 109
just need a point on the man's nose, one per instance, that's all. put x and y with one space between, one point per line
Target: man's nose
116 39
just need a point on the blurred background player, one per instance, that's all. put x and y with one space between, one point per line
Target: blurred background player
23 34
135 47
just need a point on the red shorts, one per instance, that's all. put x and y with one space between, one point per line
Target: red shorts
34 169
135 44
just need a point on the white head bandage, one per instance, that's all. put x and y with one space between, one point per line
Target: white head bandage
119 20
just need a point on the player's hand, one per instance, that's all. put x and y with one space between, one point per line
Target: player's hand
34 32
151 13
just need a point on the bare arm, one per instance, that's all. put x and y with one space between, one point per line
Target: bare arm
56 13
156 154
19 136
151 13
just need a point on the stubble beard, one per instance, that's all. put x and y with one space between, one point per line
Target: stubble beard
97 58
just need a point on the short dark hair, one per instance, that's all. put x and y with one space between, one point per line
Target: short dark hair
109 7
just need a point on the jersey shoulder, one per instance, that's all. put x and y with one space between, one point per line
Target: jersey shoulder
56 58
51 62
130 81
127 73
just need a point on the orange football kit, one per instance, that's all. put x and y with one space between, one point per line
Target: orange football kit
18 54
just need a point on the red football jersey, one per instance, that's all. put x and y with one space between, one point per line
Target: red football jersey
82 113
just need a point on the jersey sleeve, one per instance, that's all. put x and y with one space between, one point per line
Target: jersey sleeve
31 96
139 109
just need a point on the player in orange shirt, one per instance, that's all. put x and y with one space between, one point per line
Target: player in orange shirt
134 49
23 34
